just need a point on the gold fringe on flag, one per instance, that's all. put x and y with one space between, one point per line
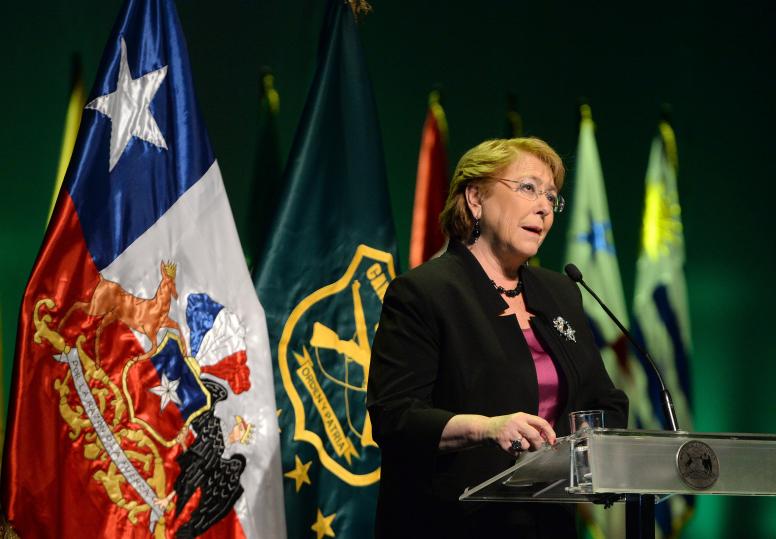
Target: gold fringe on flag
6 531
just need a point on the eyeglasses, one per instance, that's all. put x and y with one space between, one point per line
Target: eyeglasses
529 191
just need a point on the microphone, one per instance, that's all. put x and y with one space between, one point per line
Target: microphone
665 396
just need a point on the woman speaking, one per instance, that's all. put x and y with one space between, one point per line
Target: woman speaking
479 356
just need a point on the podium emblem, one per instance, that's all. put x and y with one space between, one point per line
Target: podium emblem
697 464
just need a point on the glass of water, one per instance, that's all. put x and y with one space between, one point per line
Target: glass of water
581 422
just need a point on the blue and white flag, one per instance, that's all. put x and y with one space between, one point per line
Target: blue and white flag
660 305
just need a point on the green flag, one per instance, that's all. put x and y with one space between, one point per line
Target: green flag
661 313
590 240
321 281
590 245
267 184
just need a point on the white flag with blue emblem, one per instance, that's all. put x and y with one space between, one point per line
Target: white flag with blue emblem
590 245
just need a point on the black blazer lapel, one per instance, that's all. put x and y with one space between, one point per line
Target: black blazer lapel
517 356
518 363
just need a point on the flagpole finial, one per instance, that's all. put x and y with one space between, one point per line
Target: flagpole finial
268 90
666 113
435 96
359 7
669 143
514 119
585 112
435 106
667 134
76 69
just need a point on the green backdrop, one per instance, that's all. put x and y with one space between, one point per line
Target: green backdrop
713 62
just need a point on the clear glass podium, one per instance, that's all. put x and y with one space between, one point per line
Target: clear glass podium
637 467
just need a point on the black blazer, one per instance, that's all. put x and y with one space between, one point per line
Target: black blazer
442 349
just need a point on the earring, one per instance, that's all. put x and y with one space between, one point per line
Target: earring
475 232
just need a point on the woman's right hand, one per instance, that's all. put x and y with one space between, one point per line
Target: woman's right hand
466 430
529 431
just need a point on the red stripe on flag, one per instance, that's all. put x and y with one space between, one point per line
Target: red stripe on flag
41 459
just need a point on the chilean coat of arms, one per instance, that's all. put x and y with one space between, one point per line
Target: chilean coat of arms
139 399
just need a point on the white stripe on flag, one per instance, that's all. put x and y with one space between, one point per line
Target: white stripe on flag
198 234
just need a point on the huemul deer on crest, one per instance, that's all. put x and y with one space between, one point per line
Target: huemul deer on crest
147 316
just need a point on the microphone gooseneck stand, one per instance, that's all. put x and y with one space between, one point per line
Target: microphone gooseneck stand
639 508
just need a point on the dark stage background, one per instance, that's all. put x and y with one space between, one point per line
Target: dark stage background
713 62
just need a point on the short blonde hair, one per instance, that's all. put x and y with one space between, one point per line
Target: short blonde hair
478 166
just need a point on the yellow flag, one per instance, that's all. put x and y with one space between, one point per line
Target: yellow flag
72 120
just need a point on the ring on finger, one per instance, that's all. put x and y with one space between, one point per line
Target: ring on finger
517 445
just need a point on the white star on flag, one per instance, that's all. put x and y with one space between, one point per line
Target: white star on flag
127 108
167 391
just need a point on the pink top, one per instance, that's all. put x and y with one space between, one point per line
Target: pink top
548 378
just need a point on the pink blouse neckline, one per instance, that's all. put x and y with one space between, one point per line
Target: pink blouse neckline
547 376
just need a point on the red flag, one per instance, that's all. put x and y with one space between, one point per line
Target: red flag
426 238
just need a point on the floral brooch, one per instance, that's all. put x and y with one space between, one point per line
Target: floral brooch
564 328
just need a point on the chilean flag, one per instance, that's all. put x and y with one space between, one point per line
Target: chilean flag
143 401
